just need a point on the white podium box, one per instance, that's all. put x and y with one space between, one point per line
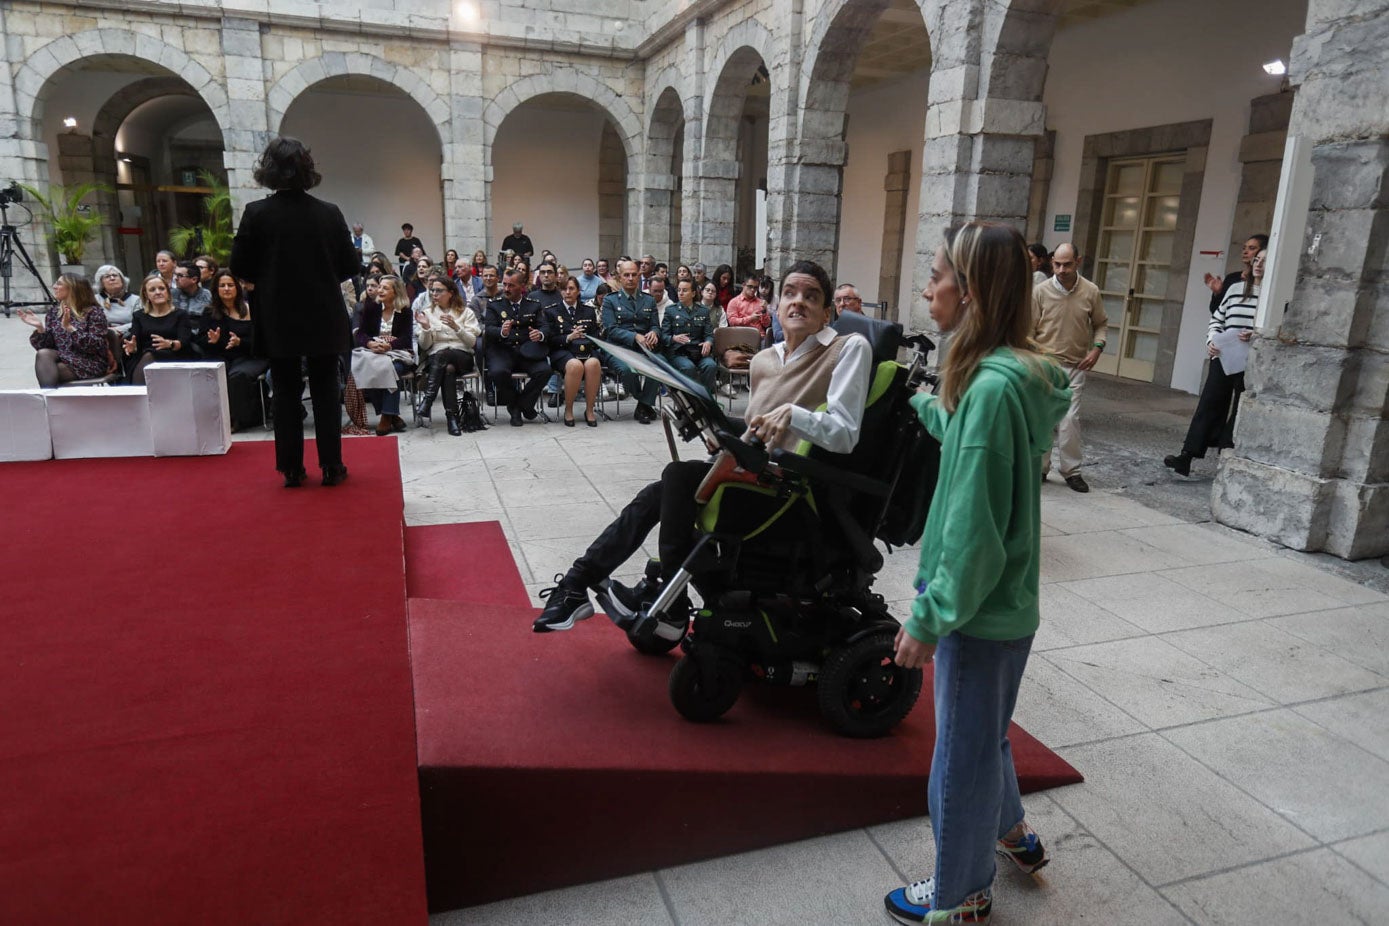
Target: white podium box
99 421
24 426
189 416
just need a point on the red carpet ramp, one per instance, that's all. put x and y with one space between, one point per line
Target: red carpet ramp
462 562
555 759
206 695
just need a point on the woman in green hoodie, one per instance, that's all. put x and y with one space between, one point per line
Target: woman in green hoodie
976 610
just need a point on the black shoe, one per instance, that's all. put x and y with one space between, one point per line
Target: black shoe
1179 464
565 608
591 422
530 413
295 478
624 605
454 428
553 401
515 417
644 414
1077 483
398 424
569 422
334 475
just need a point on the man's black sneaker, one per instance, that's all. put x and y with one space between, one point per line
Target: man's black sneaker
624 605
644 414
565 608
529 412
515 417
1077 483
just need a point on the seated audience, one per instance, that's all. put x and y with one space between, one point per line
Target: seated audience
748 310
446 334
601 268
380 265
207 268
164 263
589 280
468 283
709 298
161 332
479 261
572 354
450 261
188 293
384 352
682 272
115 298
227 336
657 290
417 284
70 340
1041 262
688 333
516 343
629 316
491 289
701 276
723 278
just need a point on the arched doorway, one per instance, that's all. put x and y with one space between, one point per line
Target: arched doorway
863 132
380 155
734 165
559 167
665 152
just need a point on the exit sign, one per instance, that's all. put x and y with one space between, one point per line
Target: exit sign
1062 223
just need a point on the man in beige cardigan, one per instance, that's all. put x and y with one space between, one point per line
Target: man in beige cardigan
1070 326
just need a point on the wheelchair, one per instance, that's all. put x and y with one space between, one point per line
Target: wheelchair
785 558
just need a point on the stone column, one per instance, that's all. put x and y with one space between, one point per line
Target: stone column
1310 468
785 186
897 183
24 158
690 201
1043 164
612 192
1261 153
247 88
467 212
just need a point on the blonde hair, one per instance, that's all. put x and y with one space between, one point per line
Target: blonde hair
994 274
400 302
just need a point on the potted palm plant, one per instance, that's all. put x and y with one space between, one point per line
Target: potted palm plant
73 224
214 235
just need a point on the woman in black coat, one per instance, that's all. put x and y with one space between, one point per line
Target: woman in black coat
295 251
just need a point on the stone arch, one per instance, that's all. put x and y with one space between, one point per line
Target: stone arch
663 201
748 51
1017 41
44 65
356 64
746 44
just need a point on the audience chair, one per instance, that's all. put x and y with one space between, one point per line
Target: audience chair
115 372
878 310
725 338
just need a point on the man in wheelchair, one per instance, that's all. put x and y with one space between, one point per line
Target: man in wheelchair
812 387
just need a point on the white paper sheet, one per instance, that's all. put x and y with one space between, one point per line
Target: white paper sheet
1234 353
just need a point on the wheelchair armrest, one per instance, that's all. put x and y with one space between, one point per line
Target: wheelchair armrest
750 457
829 475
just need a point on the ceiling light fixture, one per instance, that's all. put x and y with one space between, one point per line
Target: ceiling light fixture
1276 67
70 122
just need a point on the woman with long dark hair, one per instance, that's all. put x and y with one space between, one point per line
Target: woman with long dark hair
70 340
723 282
294 251
229 336
977 588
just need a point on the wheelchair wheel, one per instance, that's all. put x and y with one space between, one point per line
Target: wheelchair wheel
862 692
701 702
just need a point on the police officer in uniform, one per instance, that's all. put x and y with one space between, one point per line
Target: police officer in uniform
629 316
688 331
572 354
516 344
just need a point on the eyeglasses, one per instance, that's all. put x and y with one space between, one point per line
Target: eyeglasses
436 290
845 300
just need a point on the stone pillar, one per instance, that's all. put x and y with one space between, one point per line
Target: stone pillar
818 182
897 183
24 158
1310 468
1261 153
690 200
467 210
784 184
612 192
247 88
1043 164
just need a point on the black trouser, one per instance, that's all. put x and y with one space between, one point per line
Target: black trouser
671 501
243 389
327 415
1213 425
501 363
439 362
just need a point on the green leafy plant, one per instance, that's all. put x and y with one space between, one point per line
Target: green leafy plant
214 235
73 224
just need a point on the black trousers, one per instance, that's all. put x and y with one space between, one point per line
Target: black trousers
671 501
1213 425
327 414
501 363
243 389
439 361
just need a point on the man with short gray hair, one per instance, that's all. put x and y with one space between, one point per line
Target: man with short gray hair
519 242
847 299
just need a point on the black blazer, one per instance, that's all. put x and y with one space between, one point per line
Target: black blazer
297 250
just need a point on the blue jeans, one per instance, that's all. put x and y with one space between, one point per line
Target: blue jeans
974 789
386 401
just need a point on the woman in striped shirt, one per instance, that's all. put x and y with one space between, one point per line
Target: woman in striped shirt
1213 425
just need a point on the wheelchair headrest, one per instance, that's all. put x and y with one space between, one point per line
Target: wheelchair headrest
883 336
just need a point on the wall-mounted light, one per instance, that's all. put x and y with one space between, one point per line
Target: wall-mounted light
469 13
70 122
1276 67
127 159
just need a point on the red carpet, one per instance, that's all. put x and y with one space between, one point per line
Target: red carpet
462 562
206 695
549 760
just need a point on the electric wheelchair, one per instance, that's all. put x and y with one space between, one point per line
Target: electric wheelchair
785 559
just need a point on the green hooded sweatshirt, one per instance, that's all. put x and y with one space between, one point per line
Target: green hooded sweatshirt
981 550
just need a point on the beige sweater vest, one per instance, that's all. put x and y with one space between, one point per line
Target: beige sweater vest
804 383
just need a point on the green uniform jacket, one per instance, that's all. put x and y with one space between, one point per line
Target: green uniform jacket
694 321
624 318
981 550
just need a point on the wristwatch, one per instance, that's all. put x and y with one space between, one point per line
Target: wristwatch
1100 345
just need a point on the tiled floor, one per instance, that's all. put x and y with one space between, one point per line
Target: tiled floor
1228 703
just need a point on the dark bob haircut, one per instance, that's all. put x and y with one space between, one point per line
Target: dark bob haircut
810 268
286 165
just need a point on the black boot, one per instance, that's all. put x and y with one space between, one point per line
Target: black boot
431 392
451 417
1179 464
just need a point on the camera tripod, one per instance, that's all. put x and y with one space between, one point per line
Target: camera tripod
10 245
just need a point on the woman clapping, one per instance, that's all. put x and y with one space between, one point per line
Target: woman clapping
71 338
447 331
227 336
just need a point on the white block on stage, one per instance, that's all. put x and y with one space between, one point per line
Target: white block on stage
189 416
24 426
99 421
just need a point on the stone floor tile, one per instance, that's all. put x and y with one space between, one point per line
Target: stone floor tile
1317 886
819 882
1070 620
1155 604
582 521
1268 588
1323 783
1199 544
1361 718
620 902
1073 513
1061 711
1371 853
1358 634
1166 815
551 494
1105 553
1275 663
1157 683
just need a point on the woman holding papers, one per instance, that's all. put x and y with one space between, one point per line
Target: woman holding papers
1227 344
